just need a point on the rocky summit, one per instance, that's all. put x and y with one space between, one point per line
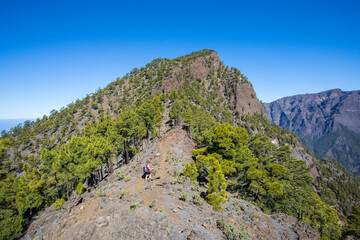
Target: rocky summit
163 208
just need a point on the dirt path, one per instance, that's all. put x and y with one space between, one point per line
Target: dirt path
158 164
167 155
162 174
164 149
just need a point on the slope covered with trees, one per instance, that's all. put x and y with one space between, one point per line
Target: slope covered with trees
239 153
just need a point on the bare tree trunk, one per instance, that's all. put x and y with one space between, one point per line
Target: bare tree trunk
110 165
57 188
126 152
67 187
86 183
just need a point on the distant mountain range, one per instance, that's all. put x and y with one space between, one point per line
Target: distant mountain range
327 123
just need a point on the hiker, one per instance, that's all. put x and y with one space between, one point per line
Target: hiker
147 170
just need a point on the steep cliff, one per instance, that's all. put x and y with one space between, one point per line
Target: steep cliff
327 123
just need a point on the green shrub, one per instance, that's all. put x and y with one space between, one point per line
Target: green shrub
245 234
153 202
183 197
58 203
243 206
191 171
123 193
80 189
178 179
231 232
120 175
135 205
197 199
127 178
99 192
228 229
194 186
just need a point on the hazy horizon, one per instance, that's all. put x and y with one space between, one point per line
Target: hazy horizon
7 124
52 54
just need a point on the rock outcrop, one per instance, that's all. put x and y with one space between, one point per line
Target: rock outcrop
201 69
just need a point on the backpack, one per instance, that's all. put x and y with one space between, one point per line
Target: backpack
146 169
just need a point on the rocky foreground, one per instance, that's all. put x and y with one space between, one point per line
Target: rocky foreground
164 208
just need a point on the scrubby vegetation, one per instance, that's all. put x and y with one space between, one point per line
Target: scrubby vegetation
44 161
258 171
69 166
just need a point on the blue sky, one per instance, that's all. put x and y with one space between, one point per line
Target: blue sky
54 52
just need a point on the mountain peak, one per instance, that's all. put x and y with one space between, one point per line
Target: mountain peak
200 53
200 71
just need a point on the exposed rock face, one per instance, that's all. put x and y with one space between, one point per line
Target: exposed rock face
327 122
201 69
103 214
244 98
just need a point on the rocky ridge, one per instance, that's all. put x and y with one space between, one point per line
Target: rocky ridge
224 87
158 211
202 69
327 123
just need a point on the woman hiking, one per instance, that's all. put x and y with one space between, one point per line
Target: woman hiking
147 170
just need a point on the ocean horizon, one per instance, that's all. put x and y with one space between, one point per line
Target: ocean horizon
7 124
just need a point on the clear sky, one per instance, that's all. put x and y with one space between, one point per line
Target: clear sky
54 52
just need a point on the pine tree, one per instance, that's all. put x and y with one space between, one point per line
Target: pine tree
125 127
173 95
29 195
11 221
147 112
64 163
216 187
48 166
190 171
176 111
